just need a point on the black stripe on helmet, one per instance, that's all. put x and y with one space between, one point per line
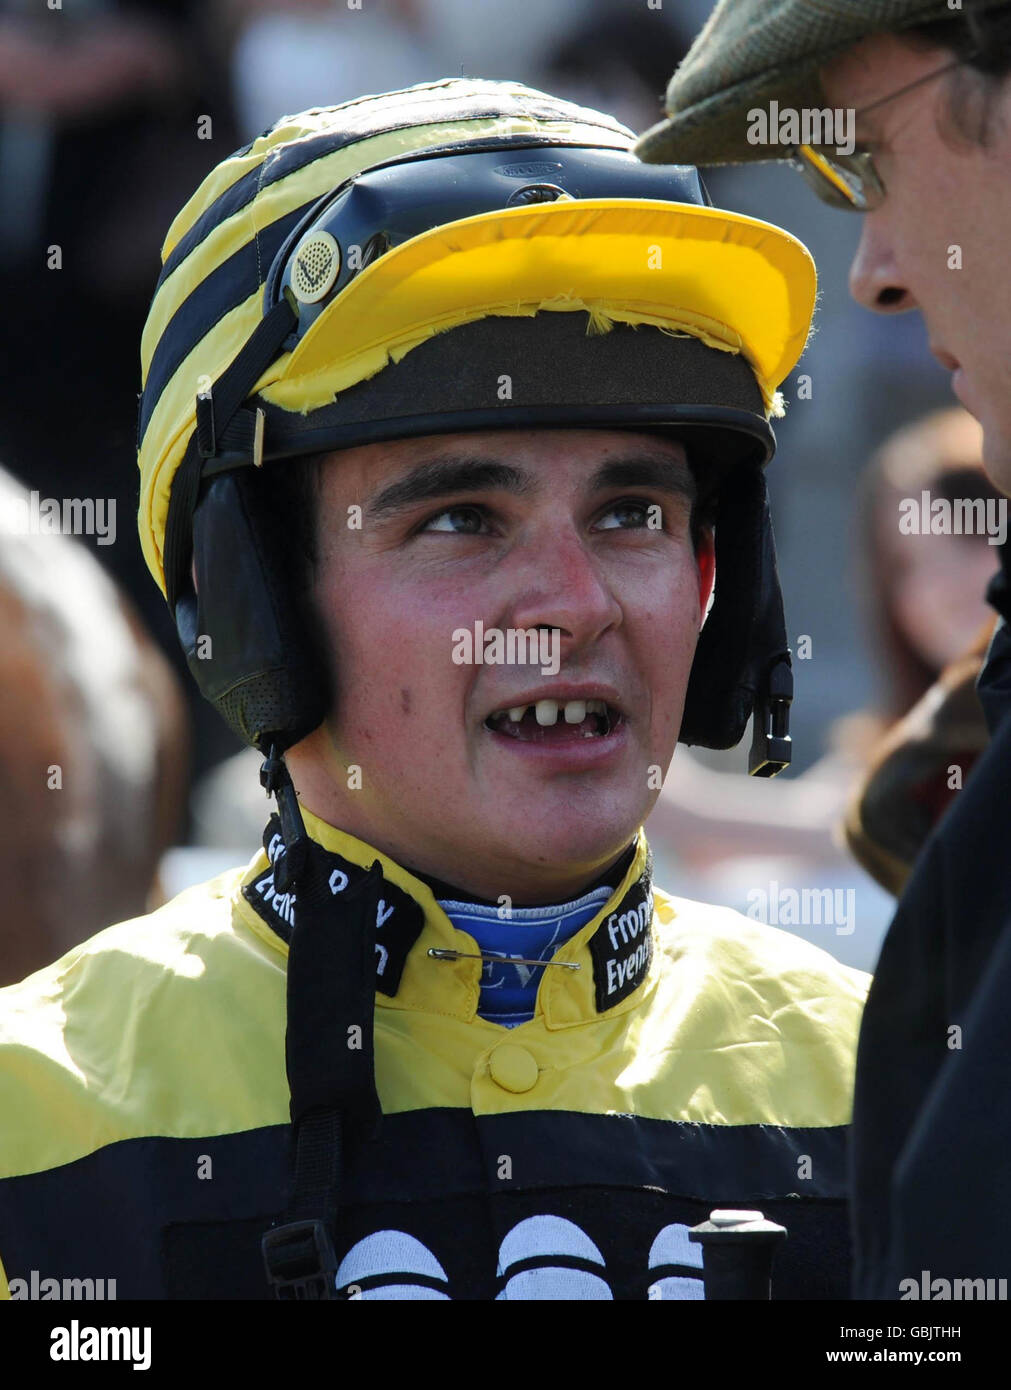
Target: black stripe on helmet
233 281
298 155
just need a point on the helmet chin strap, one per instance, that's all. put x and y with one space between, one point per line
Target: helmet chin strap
276 782
329 1047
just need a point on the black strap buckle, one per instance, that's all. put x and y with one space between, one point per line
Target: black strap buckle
300 1261
771 743
207 440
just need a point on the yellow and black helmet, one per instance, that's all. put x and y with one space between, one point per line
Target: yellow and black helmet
370 271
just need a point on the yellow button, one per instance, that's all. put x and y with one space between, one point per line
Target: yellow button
513 1068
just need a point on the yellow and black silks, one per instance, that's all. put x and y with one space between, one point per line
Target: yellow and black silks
695 1059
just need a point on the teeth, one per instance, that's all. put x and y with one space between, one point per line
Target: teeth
546 712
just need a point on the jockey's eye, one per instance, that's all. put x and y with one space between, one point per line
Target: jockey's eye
467 521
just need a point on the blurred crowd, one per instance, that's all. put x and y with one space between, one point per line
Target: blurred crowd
110 114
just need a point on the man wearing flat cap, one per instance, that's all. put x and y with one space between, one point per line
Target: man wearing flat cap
901 110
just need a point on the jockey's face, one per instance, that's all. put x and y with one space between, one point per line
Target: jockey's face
465 576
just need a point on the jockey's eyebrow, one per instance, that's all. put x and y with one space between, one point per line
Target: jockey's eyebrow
450 474
662 472
444 476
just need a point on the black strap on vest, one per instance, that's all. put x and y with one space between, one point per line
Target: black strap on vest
329 1054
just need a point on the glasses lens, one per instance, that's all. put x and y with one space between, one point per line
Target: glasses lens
844 181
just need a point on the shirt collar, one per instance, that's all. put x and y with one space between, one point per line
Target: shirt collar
614 950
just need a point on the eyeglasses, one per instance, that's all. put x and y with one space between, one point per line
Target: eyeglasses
852 181
849 181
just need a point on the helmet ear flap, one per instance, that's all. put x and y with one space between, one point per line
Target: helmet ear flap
744 636
250 637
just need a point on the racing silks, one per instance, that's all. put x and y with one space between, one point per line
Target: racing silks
694 1059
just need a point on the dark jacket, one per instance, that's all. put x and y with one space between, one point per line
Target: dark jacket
932 1107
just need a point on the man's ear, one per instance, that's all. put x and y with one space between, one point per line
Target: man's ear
705 557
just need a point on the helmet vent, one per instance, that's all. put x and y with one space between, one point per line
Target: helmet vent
316 267
539 193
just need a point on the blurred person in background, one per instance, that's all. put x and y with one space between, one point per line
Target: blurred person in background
928 88
291 55
301 53
616 55
111 111
93 748
287 56
923 593
922 600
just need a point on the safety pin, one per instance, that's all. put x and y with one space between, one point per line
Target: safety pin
447 953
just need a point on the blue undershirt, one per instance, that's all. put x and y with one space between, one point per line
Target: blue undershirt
508 991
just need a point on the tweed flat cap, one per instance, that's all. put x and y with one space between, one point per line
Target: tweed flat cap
753 51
